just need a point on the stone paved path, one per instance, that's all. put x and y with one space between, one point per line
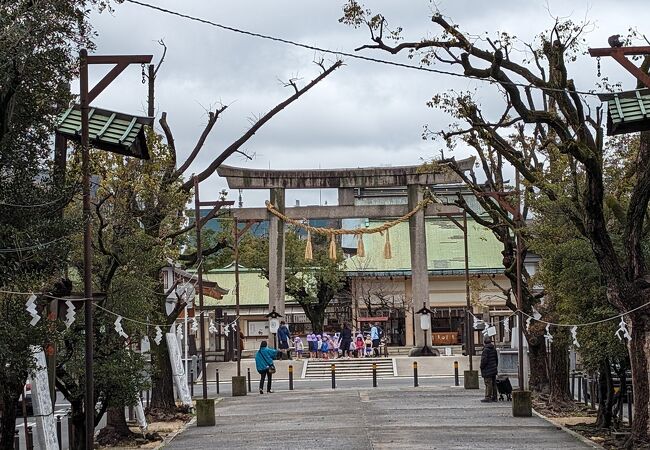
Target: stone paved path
438 417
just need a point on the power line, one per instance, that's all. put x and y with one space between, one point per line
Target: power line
33 247
347 54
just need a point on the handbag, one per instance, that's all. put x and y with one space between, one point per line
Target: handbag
271 368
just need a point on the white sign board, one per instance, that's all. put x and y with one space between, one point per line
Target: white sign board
45 425
178 371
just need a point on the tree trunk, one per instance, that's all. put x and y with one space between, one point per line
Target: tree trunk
116 421
538 380
162 390
605 396
78 418
8 421
559 372
317 318
639 348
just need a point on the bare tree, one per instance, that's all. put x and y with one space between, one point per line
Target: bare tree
174 183
571 138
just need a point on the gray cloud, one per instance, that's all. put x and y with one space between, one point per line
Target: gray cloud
363 114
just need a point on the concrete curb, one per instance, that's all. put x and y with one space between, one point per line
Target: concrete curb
578 436
171 436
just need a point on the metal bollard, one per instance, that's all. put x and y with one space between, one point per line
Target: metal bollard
16 440
456 382
573 385
580 389
30 439
249 379
290 377
192 384
374 375
415 374
333 369
58 430
629 408
217 380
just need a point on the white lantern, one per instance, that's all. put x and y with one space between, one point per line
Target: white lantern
425 321
274 324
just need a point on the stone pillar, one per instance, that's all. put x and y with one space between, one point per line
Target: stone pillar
276 256
419 269
408 319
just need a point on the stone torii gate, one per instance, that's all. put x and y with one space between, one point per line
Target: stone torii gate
414 178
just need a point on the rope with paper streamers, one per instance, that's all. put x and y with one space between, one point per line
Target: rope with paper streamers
621 333
357 232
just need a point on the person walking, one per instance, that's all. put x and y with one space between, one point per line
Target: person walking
264 364
283 339
346 339
374 337
489 369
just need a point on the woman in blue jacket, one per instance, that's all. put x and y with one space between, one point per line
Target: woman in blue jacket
264 363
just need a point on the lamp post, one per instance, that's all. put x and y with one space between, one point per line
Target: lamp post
274 324
86 96
425 324
521 400
470 376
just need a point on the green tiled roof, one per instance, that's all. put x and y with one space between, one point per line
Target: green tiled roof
108 130
628 113
445 249
253 287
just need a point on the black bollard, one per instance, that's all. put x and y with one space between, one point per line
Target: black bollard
456 382
374 375
217 380
333 369
585 387
30 439
192 384
58 430
290 377
415 374
16 440
249 379
629 407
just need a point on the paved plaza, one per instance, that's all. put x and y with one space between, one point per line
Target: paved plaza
432 417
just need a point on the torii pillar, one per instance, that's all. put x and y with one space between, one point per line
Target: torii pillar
276 255
419 269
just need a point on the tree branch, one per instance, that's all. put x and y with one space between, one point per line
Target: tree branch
257 125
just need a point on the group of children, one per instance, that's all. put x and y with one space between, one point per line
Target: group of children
328 347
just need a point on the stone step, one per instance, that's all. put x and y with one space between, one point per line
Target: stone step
349 368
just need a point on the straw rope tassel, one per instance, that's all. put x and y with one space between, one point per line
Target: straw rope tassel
361 251
387 250
309 251
332 247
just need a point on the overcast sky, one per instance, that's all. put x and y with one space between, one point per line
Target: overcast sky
365 114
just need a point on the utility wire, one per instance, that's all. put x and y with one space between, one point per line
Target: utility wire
347 54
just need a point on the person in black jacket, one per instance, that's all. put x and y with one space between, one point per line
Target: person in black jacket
346 339
489 369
